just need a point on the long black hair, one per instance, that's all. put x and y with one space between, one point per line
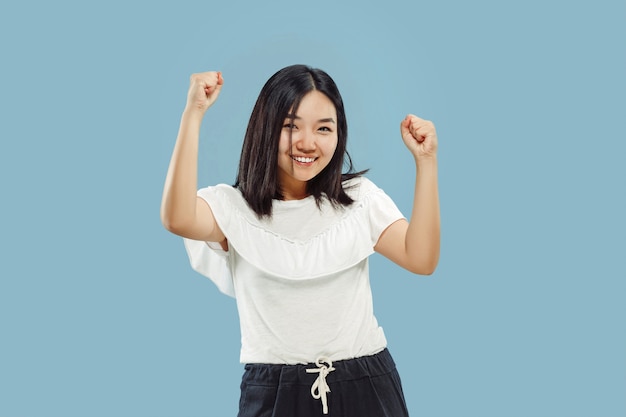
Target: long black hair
257 178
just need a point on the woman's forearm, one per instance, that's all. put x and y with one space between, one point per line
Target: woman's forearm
423 233
178 205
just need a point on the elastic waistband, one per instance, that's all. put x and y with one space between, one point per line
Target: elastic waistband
345 370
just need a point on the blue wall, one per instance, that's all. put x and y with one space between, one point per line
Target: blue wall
100 312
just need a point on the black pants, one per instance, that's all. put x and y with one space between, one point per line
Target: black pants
363 387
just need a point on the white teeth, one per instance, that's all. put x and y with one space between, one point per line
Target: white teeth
303 159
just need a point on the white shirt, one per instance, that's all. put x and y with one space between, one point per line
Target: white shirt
300 278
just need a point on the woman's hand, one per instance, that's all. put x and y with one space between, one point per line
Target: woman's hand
419 136
204 88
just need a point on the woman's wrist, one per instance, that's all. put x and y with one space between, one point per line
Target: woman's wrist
193 114
426 161
191 119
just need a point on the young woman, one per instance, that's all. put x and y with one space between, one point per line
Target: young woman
290 241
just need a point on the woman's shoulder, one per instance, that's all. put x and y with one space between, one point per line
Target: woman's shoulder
359 187
221 190
226 201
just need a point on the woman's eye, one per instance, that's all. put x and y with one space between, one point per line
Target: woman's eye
289 126
325 129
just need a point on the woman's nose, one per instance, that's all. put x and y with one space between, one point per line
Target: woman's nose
305 141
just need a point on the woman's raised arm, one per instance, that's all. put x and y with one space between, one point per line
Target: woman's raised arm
182 212
415 245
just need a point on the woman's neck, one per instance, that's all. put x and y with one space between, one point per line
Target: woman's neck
291 195
294 190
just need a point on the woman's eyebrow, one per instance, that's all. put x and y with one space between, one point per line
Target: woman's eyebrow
326 120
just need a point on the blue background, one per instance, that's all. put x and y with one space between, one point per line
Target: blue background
100 312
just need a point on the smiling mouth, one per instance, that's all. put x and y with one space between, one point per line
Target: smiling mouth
303 159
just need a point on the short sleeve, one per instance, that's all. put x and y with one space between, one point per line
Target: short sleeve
208 258
380 211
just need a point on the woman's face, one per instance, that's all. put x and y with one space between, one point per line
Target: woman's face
313 133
